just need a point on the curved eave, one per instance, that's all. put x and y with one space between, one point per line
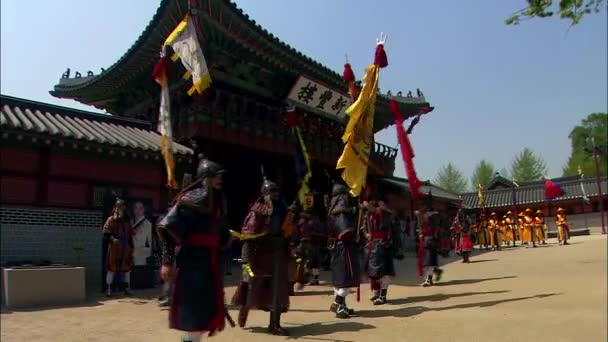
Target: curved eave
170 12
70 91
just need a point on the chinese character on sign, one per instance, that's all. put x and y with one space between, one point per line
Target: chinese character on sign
307 92
339 104
326 96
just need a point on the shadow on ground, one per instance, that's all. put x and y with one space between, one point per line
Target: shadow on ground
482 260
417 310
439 297
308 331
88 303
471 281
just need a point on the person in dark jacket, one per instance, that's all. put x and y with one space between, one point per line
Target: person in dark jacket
196 224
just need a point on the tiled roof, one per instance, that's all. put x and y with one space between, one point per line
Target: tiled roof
24 116
534 192
436 191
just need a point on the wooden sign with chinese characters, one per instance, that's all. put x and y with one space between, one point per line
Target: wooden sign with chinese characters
312 96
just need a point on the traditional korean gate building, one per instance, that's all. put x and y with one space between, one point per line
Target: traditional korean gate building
499 198
241 120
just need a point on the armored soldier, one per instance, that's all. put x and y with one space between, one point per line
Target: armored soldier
309 236
345 256
196 225
382 247
265 283
118 231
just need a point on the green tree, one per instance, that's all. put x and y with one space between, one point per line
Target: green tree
594 126
573 10
483 174
527 166
451 178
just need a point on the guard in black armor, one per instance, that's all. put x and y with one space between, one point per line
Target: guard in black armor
382 232
265 282
345 268
196 225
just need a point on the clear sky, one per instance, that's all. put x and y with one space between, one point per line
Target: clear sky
496 88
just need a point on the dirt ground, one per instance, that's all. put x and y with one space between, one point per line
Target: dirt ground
552 293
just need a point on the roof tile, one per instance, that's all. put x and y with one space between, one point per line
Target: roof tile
23 115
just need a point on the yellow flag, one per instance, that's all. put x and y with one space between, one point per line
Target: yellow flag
184 42
358 135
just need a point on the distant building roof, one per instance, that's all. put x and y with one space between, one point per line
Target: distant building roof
534 192
43 121
428 188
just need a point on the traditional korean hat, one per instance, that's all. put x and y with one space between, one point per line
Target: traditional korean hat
522 214
528 210
560 210
493 214
539 211
508 213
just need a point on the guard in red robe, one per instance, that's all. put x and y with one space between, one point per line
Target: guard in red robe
265 283
462 231
118 231
197 227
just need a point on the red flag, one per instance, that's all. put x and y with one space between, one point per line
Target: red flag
552 190
407 152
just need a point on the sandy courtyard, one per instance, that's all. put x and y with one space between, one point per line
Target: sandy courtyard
551 293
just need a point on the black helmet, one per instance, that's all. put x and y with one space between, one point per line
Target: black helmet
207 168
339 189
269 186
120 203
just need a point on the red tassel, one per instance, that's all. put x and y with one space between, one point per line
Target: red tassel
160 69
407 152
348 74
380 58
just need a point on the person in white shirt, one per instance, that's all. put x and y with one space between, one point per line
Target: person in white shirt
142 237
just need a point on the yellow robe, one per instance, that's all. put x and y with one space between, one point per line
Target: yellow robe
563 233
509 230
482 234
520 229
494 231
528 225
539 228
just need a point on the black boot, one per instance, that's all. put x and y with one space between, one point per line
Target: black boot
275 325
381 300
429 281
340 309
438 272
